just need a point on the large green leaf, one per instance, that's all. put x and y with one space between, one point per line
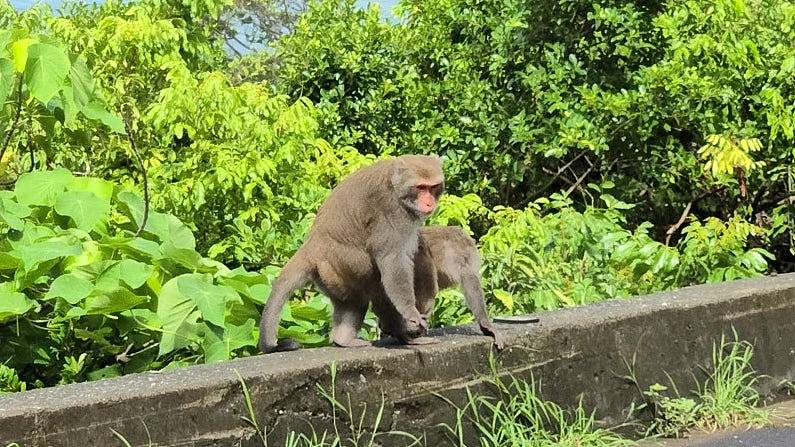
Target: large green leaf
179 316
84 207
187 257
112 301
6 79
9 216
102 188
209 298
165 226
183 300
19 53
12 303
5 40
45 70
81 81
41 187
96 110
46 250
132 273
219 343
70 287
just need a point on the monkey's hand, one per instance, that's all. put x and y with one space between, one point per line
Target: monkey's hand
415 326
499 340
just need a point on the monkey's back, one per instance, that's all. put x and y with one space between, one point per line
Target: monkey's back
453 253
348 210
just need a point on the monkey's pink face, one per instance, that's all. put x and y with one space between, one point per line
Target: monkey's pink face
427 195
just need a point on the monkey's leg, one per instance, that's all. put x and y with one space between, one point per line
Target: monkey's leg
473 292
347 320
294 274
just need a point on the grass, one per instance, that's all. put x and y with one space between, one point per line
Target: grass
357 432
727 398
519 416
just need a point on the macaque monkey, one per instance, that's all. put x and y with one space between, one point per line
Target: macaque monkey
445 257
364 234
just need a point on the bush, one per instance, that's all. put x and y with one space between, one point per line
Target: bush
83 296
528 98
552 255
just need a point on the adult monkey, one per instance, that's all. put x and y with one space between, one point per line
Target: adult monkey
365 233
445 257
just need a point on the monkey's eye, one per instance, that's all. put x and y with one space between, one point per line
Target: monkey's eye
437 190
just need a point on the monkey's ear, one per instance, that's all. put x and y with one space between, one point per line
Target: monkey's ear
398 170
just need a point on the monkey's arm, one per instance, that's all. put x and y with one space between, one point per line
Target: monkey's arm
473 293
397 277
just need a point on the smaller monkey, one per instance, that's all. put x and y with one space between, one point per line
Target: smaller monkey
445 257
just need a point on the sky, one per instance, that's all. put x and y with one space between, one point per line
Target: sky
386 5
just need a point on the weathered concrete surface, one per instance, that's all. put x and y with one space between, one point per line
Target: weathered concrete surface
574 352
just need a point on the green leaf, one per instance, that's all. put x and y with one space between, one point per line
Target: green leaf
8 262
183 300
218 344
504 297
209 298
45 70
84 207
102 302
47 250
41 187
187 257
19 53
308 312
95 110
102 188
165 226
105 373
132 273
12 303
81 81
70 287
6 79
5 40
179 316
10 218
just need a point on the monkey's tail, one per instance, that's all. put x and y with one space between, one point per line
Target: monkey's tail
295 274
473 293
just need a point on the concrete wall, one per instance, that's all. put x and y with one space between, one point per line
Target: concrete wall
574 352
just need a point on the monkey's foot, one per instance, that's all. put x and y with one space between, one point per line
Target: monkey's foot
353 343
422 341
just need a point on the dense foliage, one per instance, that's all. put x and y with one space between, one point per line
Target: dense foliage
595 149
682 105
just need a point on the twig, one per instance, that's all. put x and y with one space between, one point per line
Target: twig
678 224
556 175
31 145
131 139
579 181
14 123
560 176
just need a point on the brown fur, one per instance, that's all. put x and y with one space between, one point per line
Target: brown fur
446 257
362 239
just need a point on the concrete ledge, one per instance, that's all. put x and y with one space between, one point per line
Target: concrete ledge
574 352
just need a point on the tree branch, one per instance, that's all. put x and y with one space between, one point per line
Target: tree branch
678 224
15 122
131 139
